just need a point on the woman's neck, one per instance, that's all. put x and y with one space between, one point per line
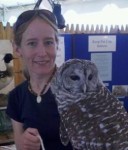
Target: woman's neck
40 84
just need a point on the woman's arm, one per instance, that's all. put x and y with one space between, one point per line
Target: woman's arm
25 140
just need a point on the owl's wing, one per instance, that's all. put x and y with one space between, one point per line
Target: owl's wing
63 134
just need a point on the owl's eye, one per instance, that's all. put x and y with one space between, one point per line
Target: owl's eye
75 77
90 77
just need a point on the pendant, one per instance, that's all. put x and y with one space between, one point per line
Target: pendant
38 99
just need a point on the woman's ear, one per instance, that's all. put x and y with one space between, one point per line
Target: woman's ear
16 49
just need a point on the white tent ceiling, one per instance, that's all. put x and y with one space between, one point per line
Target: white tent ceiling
72 10
11 3
9 7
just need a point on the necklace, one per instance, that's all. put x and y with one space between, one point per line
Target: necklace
38 96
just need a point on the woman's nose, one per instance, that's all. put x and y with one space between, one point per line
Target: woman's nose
42 49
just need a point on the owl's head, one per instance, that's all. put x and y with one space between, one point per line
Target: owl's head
76 76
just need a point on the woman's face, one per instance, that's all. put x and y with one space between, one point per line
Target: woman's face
38 47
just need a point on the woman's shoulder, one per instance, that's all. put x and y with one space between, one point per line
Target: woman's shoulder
20 87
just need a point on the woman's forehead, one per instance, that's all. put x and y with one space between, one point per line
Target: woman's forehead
39 28
39 23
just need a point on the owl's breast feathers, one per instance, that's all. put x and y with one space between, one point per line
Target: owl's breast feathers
97 121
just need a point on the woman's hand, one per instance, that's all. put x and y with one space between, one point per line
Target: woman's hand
30 139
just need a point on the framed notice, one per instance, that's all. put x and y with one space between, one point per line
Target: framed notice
60 58
103 62
101 43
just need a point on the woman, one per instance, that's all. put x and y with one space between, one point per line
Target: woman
31 105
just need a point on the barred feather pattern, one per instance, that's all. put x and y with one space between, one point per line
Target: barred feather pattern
92 120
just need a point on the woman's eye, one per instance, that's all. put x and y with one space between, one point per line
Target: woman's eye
32 44
48 43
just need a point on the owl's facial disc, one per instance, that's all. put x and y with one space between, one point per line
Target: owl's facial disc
73 79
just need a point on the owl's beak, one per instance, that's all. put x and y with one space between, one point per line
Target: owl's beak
84 88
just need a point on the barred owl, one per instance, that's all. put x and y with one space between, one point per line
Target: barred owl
91 117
